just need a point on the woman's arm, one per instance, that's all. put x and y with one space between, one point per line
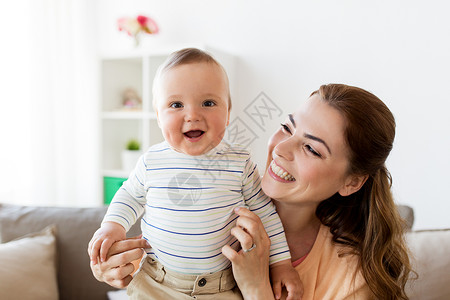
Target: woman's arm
118 267
250 269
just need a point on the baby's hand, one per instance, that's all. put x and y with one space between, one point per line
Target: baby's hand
103 238
283 274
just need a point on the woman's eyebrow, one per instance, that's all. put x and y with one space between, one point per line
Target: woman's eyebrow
309 136
315 138
291 118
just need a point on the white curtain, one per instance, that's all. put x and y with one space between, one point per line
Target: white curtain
49 112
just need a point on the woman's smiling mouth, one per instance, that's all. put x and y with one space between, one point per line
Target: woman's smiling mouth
279 173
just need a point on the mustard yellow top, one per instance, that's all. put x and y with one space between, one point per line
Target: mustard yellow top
325 275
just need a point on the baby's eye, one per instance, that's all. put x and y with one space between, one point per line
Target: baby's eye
176 105
209 103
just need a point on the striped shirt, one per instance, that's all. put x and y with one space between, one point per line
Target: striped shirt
188 205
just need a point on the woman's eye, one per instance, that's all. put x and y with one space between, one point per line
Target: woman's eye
286 128
209 103
176 105
314 152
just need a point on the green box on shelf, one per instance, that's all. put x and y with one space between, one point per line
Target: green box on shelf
110 187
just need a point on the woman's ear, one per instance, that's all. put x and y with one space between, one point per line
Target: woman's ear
352 184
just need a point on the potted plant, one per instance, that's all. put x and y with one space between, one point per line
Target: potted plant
130 155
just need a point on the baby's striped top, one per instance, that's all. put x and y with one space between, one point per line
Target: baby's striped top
188 204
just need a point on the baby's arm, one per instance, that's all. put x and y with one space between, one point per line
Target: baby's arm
125 208
282 274
103 238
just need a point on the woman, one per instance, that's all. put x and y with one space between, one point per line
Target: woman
327 177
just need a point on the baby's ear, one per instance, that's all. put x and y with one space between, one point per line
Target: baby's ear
352 184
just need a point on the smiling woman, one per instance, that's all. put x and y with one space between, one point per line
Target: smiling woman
327 177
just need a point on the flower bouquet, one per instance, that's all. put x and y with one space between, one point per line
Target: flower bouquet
135 27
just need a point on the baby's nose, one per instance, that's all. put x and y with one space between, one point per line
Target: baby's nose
192 115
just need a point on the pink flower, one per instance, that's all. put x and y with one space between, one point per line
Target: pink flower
142 20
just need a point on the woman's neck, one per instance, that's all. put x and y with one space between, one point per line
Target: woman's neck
300 225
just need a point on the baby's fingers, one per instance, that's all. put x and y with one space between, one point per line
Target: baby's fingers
107 243
91 245
276 287
94 250
295 292
293 297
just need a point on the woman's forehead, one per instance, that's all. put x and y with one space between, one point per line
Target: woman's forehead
318 118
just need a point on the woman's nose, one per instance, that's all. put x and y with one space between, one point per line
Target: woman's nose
285 148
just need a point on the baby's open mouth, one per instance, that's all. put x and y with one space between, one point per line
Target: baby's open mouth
194 133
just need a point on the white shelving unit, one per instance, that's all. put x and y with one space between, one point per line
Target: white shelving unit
119 125
136 71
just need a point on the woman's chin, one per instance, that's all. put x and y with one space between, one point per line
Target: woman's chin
269 186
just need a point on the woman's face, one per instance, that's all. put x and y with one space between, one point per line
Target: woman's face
308 156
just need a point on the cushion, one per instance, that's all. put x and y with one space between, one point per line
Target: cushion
431 260
28 268
74 229
407 214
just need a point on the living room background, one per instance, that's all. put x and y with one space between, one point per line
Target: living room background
284 49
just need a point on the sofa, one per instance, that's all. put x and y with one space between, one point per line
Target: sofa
65 272
43 255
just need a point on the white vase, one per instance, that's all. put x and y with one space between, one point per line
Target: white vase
129 159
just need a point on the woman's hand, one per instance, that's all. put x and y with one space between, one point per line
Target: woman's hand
250 269
118 267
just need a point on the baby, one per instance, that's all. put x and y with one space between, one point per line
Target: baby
187 189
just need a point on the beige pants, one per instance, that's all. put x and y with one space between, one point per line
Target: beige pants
153 281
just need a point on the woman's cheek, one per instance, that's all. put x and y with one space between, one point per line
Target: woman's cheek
273 141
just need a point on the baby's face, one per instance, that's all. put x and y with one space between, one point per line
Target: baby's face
192 107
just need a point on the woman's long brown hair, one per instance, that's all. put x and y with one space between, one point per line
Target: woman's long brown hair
367 221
